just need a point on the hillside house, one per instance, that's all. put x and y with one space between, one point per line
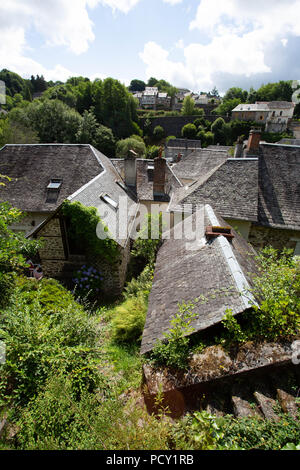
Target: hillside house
258 195
43 177
275 115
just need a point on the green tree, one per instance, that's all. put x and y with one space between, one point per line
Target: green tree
221 131
189 131
226 107
52 120
236 92
90 132
124 145
188 106
137 85
158 133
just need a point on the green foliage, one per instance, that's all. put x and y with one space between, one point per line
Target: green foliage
90 132
189 131
12 132
50 293
199 431
188 106
129 319
256 433
170 137
152 151
226 107
158 133
123 147
221 131
40 342
83 225
14 247
276 288
140 285
137 85
236 93
149 240
52 120
173 351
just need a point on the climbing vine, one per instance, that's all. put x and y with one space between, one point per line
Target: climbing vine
82 228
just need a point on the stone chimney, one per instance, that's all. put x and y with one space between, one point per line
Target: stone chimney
130 168
239 148
159 176
253 142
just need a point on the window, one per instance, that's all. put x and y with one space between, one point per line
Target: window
106 198
53 189
54 184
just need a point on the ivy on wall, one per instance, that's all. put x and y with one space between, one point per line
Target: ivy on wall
82 227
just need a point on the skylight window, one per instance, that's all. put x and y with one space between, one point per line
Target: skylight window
106 198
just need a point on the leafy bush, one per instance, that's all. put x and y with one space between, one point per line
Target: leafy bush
129 319
149 240
277 291
123 147
50 294
158 133
174 350
152 151
42 338
257 433
189 131
6 288
140 285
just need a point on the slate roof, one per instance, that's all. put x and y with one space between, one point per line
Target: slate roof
33 166
111 184
214 275
199 163
231 188
279 186
144 181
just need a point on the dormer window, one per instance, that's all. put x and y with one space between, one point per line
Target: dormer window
108 200
53 189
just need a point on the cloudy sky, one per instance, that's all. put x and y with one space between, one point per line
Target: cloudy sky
190 43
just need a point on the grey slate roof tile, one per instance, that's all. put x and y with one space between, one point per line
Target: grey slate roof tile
185 274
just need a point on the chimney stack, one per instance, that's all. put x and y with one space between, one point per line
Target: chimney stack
239 148
253 142
159 176
130 168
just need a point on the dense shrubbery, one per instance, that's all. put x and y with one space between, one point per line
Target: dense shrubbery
277 291
129 319
174 350
45 331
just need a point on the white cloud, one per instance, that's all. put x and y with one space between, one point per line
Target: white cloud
239 35
172 2
59 22
123 5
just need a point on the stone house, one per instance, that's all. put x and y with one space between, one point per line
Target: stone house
258 195
275 115
43 177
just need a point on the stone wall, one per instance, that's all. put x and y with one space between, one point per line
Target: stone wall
261 237
57 263
173 124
